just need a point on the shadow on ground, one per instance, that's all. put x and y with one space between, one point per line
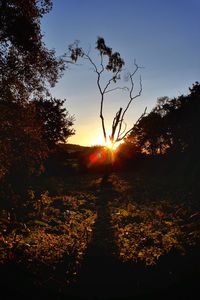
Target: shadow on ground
103 276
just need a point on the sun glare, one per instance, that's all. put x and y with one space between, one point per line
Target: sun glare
100 141
111 146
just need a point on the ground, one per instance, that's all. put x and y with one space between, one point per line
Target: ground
90 237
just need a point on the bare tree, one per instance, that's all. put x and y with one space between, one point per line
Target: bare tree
110 62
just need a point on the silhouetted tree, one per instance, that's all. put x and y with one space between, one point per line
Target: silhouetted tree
26 65
31 121
55 120
147 134
110 62
171 126
29 131
27 68
22 147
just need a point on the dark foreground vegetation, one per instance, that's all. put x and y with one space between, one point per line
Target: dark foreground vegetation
137 234
82 222
86 232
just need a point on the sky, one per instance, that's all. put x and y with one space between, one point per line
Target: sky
162 35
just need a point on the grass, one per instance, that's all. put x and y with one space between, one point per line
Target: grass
149 219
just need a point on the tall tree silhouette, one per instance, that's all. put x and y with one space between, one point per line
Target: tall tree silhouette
31 121
110 63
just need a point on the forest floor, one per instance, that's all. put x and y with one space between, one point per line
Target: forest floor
126 236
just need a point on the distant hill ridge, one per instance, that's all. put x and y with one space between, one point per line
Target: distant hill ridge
72 147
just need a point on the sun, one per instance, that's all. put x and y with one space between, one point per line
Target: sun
99 141
110 146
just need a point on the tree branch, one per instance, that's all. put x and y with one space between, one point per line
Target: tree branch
114 65
117 88
115 124
130 96
100 90
123 136
124 129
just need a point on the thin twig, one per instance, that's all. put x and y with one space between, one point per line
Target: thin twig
117 88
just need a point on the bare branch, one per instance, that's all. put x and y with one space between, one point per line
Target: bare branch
102 117
114 65
91 61
100 90
117 88
115 124
123 129
113 79
131 96
102 66
122 137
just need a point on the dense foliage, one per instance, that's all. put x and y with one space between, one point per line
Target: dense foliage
171 127
148 231
26 65
58 229
55 120
31 121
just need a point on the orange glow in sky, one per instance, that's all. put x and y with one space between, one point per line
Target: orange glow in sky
93 139
168 71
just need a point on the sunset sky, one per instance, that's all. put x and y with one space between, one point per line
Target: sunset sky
162 35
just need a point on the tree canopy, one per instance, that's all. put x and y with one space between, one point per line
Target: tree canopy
31 121
26 65
171 126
